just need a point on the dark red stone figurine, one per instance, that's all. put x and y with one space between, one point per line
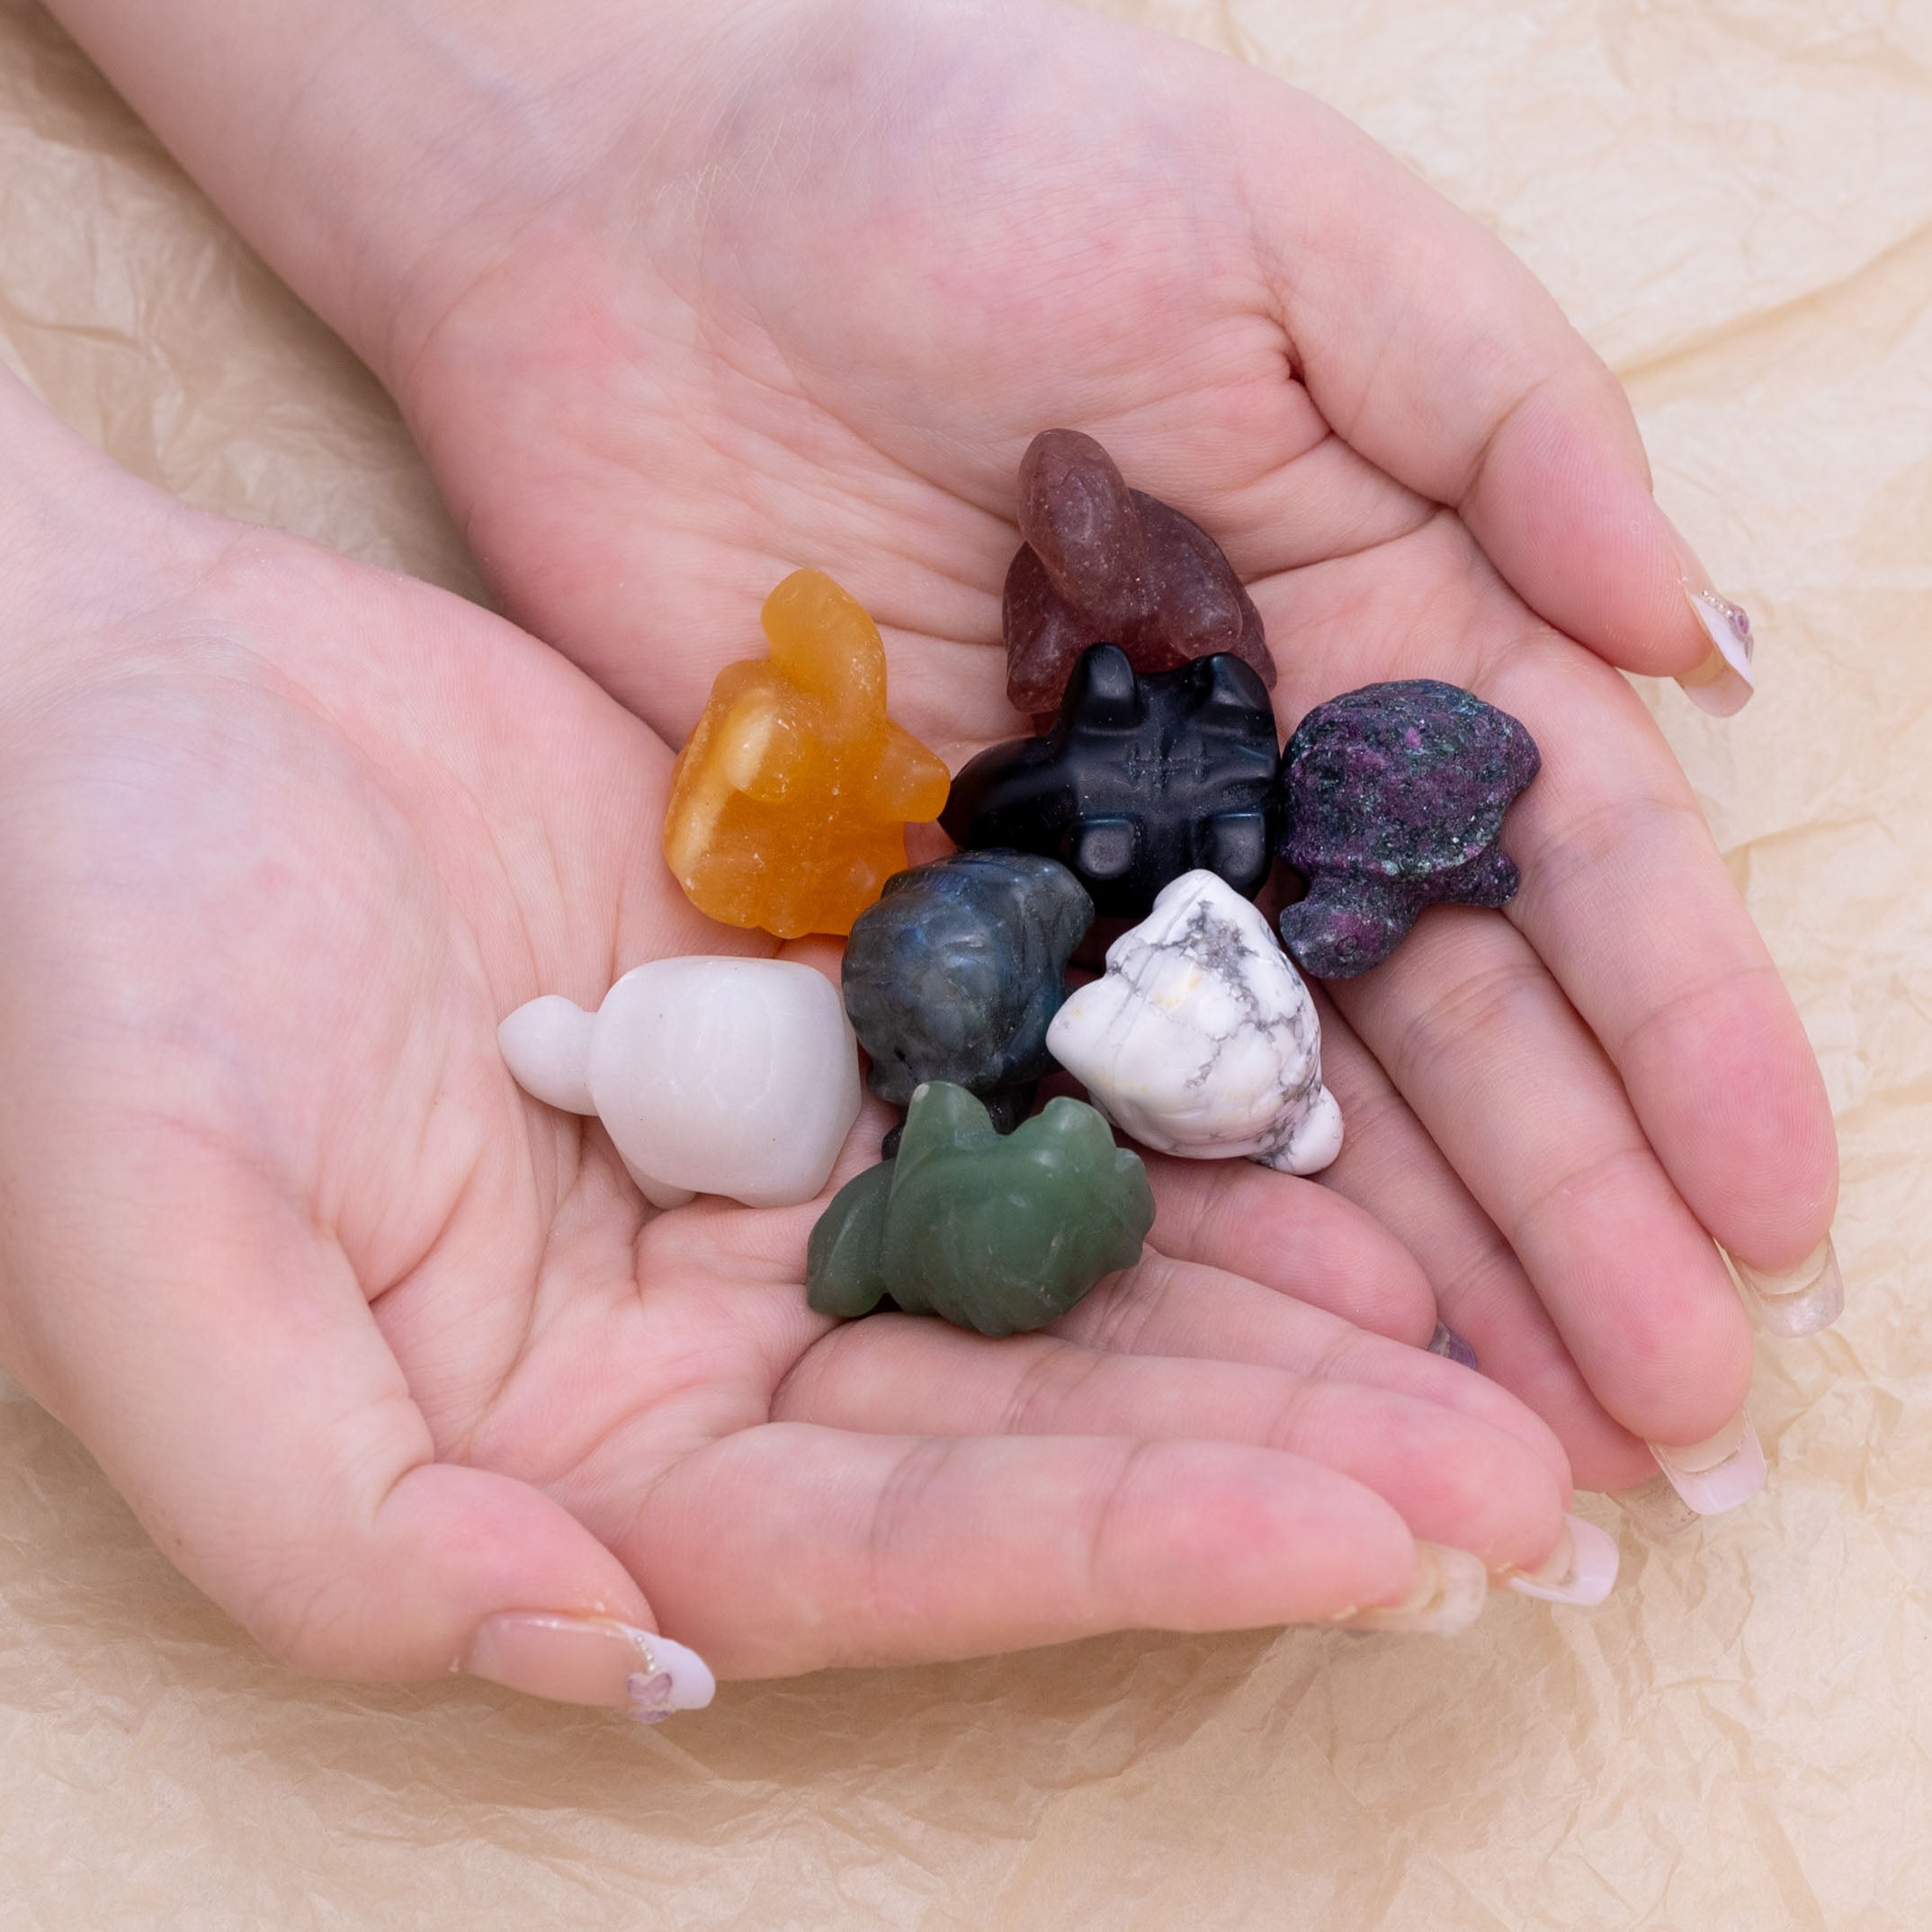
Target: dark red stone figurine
1103 564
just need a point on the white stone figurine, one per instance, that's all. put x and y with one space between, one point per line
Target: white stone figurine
713 1076
1200 1039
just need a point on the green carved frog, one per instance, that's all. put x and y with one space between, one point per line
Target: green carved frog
998 1232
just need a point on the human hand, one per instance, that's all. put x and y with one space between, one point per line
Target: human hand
393 1361
680 299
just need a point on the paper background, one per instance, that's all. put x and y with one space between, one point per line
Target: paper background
1734 199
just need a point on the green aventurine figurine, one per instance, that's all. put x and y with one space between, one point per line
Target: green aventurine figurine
998 1232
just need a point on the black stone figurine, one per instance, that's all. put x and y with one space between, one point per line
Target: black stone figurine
1141 780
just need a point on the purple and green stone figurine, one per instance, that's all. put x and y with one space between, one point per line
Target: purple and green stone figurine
1393 799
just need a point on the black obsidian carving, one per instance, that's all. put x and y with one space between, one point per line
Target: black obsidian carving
1141 780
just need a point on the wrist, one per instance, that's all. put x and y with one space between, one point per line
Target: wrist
87 553
383 154
48 526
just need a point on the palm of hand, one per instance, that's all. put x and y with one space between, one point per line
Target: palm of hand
317 830
815 321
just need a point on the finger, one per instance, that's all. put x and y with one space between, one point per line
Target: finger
1291 1235
1504 1077
1391 1168
1174 1308
215 1352
1624 894
1455 1478
1627 901
791 1547
1435 352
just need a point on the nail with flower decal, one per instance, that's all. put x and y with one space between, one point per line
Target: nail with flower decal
1723 682
591 1660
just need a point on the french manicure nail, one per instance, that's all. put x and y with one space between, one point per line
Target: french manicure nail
1656 1507
1718 1473
1446 1343
1580 1570
584 1659
1722 684
1802 1300
1450 1590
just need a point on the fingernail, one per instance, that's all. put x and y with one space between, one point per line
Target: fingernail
1450 1590
1580 1570
1446 1343
1719 1473
1722 684
1802 1300
1657 1508
584 1659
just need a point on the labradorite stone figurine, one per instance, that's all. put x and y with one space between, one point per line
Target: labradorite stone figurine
1142 778
1393 799
957 971
996 1232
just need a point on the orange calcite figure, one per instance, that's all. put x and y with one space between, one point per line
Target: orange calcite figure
790 802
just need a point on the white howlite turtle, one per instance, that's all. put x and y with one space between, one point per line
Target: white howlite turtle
713 1076
1200 1039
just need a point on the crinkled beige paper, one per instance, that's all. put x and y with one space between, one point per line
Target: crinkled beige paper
1734 199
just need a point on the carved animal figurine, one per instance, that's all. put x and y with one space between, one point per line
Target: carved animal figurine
1393 801
998 1232
1200 1039
1142 779
1103 564
789 800
954 974
713 1076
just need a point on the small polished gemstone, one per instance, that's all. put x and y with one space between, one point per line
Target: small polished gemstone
954 974
1103 564
735 1077
1142 778
789 800
1393 799
996 1232
1200 1039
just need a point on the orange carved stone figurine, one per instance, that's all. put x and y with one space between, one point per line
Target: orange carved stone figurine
789 802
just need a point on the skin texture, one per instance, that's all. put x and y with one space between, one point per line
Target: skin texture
375 1346
830 335
680 299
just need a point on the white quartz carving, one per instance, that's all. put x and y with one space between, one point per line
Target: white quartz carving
713 1076
1200 1039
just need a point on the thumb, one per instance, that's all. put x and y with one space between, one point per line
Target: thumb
1432 351
214 1351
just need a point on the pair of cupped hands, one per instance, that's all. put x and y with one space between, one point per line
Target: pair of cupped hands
393 1361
